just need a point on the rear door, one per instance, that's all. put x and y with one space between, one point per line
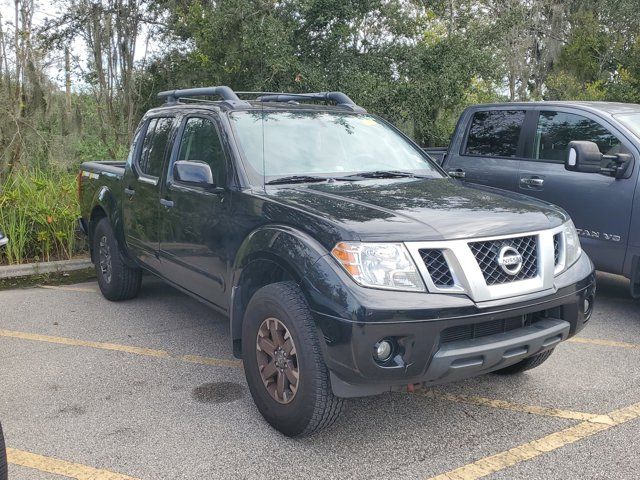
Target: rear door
141 198
600 206
490 148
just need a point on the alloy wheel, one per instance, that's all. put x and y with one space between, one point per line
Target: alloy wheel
105 259
277 360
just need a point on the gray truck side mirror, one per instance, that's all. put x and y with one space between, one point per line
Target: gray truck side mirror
193 172
585 156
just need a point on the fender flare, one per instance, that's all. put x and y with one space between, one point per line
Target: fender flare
106 201
290 249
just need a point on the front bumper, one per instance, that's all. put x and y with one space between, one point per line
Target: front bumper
430 352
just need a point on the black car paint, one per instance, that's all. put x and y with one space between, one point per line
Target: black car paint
242 231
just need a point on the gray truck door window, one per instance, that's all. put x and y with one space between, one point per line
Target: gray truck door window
490 153
556 129
598 205
194 222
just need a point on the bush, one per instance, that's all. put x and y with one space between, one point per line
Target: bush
38 212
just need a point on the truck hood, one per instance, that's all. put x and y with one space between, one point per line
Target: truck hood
418 209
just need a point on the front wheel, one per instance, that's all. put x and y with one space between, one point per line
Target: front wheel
526 364
283 362
117 281
3 458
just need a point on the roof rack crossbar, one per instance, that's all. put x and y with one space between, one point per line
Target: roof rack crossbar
228 95
339 98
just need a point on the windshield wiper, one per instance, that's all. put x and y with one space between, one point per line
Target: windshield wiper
297 179
386 174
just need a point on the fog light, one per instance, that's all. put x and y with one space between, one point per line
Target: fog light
588 307
382 350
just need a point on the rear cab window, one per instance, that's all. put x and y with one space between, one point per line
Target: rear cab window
154 147
495 133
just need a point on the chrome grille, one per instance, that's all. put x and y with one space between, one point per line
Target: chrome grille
437 266
556 248
486 254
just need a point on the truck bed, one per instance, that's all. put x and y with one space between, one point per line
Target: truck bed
100 178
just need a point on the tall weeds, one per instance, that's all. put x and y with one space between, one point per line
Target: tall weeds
38 212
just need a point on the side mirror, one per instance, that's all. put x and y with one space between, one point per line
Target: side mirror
585 156
3 240
194 173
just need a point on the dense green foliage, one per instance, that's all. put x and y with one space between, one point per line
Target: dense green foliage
38 212
416 63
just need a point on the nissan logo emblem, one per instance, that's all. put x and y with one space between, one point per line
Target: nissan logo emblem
510 260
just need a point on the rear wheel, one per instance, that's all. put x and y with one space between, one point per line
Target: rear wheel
526 364
283 363
116 279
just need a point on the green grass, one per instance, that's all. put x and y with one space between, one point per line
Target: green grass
38 213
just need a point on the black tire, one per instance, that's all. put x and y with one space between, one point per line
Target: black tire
313 406
116 279
526 364
4 468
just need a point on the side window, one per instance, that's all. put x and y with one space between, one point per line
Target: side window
201 142
495 133
556 129
154 147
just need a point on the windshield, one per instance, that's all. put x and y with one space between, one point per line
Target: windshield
631 121
283 144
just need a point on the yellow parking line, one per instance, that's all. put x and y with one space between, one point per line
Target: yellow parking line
604 343
149 352
61 467
500 461
69 289
518 407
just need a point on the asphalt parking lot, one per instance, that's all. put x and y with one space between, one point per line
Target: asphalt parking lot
149 389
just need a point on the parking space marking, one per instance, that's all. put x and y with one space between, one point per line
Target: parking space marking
69 289
518 407
148 352
604 343
522 453
61 467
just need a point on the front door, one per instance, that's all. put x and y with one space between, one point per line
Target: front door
600 206
489 154
141 193
194 224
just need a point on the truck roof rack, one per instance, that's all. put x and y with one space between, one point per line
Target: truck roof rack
228 96
340 99
231 99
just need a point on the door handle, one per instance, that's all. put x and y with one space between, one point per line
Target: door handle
532 181
129 191
458 173
166 203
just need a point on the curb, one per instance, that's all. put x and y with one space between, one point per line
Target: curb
29 269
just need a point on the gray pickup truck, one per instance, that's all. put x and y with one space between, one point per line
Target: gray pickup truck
523 147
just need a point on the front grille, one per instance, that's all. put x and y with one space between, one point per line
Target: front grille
484 329
486 254
556 248
437 266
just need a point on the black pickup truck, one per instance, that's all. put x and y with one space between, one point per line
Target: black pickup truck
347 262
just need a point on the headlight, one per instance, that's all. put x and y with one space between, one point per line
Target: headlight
379 265
572 246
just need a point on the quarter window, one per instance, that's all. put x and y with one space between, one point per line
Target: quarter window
201 142
154 147
556 129
495 133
